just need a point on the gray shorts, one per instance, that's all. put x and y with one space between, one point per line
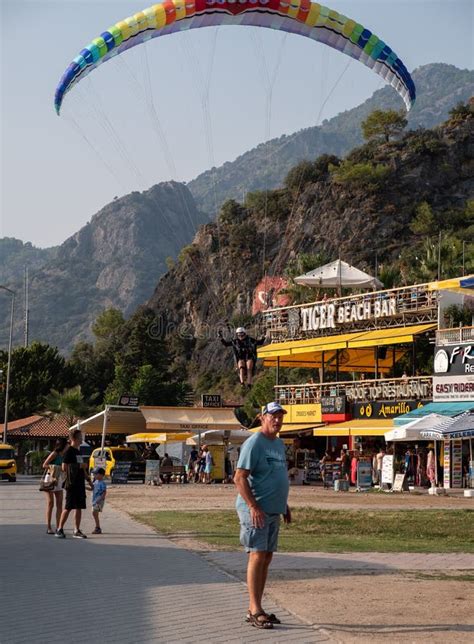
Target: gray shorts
259 539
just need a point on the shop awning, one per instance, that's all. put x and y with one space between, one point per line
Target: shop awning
412 431
166 437
442 408
119 421
356 350
399 335
294 428
358 427
463 285
175 419
461 426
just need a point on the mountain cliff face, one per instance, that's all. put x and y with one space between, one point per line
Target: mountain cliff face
115 260
439 88
331 211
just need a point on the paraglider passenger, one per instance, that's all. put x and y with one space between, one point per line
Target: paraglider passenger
245 354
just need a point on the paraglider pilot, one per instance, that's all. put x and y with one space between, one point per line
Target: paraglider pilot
245 354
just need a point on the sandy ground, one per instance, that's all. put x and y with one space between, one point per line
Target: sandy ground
135 497
380 607
403 606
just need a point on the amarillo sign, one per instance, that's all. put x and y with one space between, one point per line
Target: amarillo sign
330 315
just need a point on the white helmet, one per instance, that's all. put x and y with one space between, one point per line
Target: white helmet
241 329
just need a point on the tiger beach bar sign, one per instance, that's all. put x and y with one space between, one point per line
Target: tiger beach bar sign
330 315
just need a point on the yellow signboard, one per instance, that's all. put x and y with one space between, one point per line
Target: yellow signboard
303 414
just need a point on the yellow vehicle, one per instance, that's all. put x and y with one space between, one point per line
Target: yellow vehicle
7 462
119 454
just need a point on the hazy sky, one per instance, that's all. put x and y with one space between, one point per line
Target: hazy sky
57 172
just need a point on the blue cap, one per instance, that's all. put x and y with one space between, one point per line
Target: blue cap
273 408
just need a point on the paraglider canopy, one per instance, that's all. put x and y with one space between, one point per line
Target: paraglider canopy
300 17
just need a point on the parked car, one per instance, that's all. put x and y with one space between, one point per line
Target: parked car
120 454
7 462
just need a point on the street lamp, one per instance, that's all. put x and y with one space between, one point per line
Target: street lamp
7 389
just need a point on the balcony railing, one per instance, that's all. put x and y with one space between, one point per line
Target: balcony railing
416 388
390 308
460 335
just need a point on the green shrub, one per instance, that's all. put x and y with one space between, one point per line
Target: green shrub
364 175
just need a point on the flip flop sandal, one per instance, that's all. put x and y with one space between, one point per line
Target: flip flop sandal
254 620
272 618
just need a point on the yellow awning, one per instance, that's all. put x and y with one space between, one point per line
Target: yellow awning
399 335
356 350
358 427
167 437
453 284
294 427
330 430
193 419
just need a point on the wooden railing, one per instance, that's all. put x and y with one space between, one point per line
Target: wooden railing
416 388
363 312
460 335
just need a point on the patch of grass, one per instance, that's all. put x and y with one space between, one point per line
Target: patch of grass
332 530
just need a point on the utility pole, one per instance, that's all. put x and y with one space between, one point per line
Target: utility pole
439 257
26 304
7 386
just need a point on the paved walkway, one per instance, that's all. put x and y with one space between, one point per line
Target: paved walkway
125 586
234 562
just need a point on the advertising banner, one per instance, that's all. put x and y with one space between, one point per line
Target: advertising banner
120 473
385 408
456 468
447 465
387 469
453 388
454 360
364 475
310 413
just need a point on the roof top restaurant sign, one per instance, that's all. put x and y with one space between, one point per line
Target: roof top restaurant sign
399 389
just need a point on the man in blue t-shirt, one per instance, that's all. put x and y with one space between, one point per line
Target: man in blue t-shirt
261 479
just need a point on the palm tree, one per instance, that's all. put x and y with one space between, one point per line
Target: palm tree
70 404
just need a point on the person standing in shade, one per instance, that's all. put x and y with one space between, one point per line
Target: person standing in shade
76 475
379 462
208 462
261 479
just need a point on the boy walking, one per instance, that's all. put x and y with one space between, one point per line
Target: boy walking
98 497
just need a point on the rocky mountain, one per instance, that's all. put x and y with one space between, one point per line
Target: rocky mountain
385 198
114 260
15 255
439 88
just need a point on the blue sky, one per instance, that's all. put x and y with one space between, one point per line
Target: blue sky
57 172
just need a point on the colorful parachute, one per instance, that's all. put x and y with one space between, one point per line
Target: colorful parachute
294 16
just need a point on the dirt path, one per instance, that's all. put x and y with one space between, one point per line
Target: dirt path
140 498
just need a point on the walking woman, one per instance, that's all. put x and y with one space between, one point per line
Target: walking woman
56 459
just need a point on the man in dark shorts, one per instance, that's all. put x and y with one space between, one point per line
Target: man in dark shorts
261 479
76 474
